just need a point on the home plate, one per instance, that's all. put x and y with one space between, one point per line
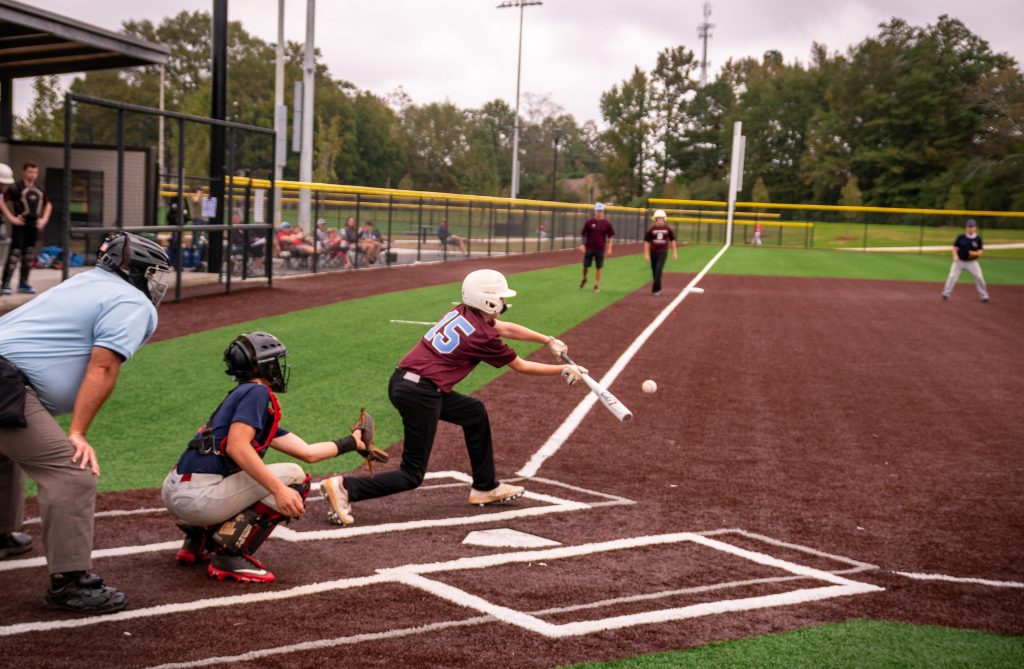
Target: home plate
506 538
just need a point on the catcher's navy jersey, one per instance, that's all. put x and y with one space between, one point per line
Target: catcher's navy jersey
450 350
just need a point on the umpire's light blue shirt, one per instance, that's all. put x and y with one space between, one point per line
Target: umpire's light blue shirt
50 339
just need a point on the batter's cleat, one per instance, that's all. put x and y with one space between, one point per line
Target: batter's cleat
985 300
26 289
583 282
340 512
5 290
242 568
82 592
945 298
194 548
14 543
503 493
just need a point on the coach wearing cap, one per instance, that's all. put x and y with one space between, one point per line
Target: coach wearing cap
967 249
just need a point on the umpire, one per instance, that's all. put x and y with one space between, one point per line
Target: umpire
61 353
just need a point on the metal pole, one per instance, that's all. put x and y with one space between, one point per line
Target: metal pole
306 157
554 173
160 139
521 4
66 213
280 111
218 110
181 211
391 209
120 168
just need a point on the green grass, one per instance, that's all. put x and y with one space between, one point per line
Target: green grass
854 645
841 235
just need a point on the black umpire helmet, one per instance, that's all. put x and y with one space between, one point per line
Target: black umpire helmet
258 354
139 261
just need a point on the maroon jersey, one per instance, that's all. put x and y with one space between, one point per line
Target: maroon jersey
451 349
596 233
658 237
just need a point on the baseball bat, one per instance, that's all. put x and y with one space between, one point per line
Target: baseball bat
610 402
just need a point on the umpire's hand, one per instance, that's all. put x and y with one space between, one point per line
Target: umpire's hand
84 455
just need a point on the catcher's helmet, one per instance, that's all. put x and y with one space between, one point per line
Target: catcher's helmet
139 261
484 290
258 354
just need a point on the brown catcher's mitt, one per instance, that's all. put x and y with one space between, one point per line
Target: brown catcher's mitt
369 451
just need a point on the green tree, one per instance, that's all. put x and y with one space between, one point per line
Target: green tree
851 196
625 108
44 119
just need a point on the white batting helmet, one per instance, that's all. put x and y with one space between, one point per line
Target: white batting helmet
484 290
660 214
6 174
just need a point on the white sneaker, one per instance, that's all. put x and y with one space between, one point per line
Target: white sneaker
340 512
503 493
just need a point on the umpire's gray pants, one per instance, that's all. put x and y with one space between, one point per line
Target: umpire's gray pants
67 494
971 266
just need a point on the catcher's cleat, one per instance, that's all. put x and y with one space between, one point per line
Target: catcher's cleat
503 493
195 547
242 568
340 512
82 592
14 543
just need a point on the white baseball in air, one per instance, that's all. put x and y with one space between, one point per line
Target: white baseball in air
649 386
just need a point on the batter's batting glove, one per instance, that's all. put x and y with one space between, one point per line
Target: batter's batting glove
557 347
573 373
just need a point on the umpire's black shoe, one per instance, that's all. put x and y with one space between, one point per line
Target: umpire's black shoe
14 543
83 592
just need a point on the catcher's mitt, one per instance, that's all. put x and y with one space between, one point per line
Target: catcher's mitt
973 255
369 451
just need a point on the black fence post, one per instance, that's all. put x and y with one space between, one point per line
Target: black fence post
66 195
316 229
469 231
387 247
419 230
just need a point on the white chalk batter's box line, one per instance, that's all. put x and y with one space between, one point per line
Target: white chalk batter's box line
414 575
460 479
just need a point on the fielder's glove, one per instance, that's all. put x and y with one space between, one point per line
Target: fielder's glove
973 255
369 450
557 348
573 373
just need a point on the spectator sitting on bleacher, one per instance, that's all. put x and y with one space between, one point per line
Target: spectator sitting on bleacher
449 239
370 242
337 248
293 242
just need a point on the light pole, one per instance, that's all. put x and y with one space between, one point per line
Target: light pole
521 4
554 171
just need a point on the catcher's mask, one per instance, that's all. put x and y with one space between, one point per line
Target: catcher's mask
258 354
486 290
139 261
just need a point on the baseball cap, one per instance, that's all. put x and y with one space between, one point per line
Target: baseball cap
971 223
286 225
599 207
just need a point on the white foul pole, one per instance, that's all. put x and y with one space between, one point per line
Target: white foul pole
306 158
280 113
735 175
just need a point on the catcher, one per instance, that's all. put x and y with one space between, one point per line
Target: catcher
226 499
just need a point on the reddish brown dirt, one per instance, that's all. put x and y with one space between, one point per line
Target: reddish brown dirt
863 419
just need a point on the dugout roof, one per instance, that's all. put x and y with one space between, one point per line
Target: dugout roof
36 42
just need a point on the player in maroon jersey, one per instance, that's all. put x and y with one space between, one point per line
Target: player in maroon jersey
597 236
657 241
421 388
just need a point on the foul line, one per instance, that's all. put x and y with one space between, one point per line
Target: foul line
569 425
957 579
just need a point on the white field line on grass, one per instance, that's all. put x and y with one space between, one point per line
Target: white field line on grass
944 247
956 579
569 425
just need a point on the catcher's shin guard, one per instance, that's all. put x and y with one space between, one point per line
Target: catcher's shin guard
247 531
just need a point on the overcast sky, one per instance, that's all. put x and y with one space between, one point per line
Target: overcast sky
573 50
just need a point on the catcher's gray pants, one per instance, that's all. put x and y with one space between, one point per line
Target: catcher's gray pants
67 494
208 499
971 266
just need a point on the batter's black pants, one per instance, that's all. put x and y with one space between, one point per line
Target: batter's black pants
657 267
421 406
23 247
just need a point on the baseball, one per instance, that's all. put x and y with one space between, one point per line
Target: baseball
649 386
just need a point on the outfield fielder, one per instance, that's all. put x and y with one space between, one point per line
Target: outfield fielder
421 388
967 249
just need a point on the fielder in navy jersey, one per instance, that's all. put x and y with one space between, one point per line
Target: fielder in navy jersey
422 389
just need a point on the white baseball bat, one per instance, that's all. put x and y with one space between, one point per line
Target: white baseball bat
610 402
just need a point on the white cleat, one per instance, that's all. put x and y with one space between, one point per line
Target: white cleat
340 512
503 493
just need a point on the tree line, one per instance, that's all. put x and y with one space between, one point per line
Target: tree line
921 116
